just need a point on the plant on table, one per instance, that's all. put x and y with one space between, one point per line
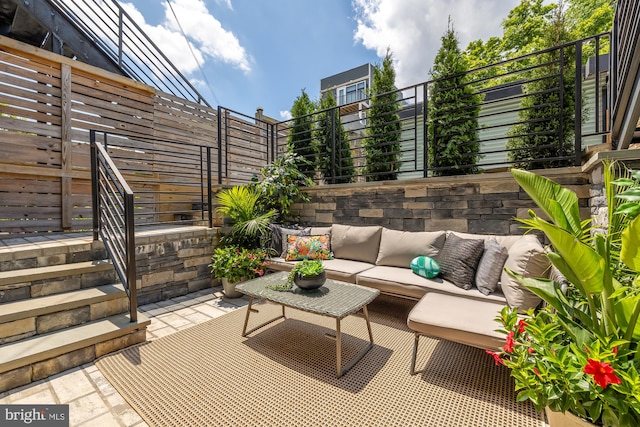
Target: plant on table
235 263
580 352
304 268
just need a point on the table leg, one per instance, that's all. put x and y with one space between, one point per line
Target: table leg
339 368
246 319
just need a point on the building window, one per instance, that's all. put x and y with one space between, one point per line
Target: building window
352 93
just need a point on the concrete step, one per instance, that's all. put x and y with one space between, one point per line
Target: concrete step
53 279
41 356
34 316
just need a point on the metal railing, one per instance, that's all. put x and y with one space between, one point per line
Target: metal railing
113 207
171 179
113 31
422 123
625 74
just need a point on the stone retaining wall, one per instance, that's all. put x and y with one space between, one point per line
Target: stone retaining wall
174 263
485 203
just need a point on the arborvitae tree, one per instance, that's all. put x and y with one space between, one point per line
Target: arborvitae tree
300 139
546 120
382 143
329 131
453 112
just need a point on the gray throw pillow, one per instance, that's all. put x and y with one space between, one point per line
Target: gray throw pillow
490 266
459 259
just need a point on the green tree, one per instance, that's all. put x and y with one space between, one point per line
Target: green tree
453 112
330 133
300 139
545 121
381 146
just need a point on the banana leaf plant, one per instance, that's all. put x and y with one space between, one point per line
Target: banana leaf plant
603 266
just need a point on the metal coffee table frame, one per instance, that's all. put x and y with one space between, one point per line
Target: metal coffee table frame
334 299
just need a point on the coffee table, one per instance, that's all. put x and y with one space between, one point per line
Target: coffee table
334 299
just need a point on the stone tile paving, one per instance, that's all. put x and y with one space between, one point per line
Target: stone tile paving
91 398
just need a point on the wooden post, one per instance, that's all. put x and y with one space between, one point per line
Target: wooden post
67 149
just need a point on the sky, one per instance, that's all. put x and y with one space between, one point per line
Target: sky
247 54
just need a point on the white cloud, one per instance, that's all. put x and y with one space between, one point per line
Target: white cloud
204 29
226 3
206 36
286 115
412 29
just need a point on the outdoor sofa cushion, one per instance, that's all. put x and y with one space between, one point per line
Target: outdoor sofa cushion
490 266
466 321
398 248
357 243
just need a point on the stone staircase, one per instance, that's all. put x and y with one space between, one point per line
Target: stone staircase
61 306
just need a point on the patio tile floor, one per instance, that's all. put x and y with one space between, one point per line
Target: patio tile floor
91 398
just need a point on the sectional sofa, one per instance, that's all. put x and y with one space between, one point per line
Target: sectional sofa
459 304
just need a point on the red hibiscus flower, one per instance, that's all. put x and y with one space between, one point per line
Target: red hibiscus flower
508 347
602 373
495 356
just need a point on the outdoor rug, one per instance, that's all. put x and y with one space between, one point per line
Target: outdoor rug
284 375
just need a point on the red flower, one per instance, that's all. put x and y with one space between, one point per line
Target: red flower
615 350
602 373
530 350
495 356
521 325
536 371
508 347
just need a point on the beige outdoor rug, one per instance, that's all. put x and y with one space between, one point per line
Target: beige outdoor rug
284 375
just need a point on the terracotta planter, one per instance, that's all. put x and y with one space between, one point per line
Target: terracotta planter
558 419
230 288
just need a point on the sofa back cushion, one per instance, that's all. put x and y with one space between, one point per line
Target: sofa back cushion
528 258
398 248
358 243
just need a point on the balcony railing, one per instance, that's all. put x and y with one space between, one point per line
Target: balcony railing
511 124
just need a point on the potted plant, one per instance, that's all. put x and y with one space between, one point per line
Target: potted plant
307 274
579 354
233 264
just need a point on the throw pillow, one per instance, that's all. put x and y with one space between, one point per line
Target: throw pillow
285 232
425 266
308 247
459 259
490 266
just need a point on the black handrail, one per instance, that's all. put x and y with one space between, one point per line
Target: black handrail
113 218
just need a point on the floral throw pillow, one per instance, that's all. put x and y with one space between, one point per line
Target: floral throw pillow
308 247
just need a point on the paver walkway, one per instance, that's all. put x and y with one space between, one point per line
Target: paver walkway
92 400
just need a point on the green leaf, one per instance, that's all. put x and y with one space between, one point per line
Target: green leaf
623 182
542 190
631 195
630 208
630 253
585 262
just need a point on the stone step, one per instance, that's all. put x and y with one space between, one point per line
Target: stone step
34 316
42 281
41 356
46 250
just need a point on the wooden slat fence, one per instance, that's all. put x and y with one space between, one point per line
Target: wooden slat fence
48 105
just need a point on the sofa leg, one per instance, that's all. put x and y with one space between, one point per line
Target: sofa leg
414 355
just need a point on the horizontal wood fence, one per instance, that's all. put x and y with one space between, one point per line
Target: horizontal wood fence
48 105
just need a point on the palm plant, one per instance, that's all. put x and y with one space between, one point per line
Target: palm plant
250 224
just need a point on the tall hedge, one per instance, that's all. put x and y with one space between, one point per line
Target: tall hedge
453 113
381 145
